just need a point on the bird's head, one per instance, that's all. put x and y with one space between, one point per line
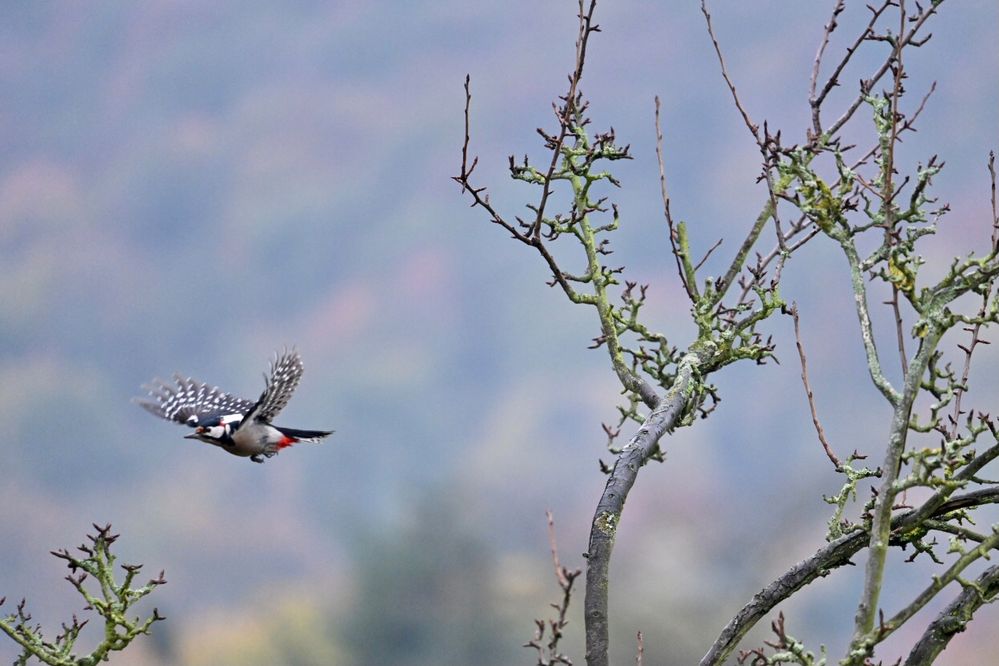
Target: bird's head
213 428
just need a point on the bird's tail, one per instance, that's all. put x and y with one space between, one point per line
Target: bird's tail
305 435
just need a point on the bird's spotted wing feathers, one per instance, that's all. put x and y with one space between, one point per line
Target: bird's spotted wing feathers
189 398
286 373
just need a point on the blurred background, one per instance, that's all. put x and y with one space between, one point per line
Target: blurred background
189 186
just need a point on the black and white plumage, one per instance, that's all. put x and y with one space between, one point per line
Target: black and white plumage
286 373
240 426
189 400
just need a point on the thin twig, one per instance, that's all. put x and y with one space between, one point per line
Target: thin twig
480 198
908 125
966 371
815 101
888 193
771 160
995 212
560 572
899 333
976 329
708 254
548 653
466 171
568 109
909 38
689 288
817 64
739 261
754 129
797 227
808 391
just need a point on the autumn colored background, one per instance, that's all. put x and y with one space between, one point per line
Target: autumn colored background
189 186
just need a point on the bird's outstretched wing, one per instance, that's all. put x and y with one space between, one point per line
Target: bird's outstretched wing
286 373
189 398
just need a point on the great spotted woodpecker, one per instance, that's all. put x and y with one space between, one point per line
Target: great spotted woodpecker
237 425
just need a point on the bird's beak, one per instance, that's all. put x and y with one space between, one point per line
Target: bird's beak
193 435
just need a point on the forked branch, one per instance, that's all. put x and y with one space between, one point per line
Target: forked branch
111 600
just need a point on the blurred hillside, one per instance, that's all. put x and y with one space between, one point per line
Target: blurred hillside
188 186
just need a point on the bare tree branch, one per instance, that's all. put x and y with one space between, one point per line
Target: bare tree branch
953 619
608 514
753 128
816 100
832 556
907 38
565 114
808 391
549 653
829 28
682 260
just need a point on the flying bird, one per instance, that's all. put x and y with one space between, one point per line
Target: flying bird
237 425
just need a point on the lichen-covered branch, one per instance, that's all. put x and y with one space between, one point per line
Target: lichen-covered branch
785 649
953 619
881 521
611 505
113 601
836 554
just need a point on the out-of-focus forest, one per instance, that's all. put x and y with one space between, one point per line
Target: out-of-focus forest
189 186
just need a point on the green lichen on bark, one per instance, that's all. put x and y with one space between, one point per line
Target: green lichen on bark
606 522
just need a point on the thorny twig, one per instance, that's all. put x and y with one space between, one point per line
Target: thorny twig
568 109
976 329
548 652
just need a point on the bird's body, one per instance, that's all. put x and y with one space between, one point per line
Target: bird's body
237 425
